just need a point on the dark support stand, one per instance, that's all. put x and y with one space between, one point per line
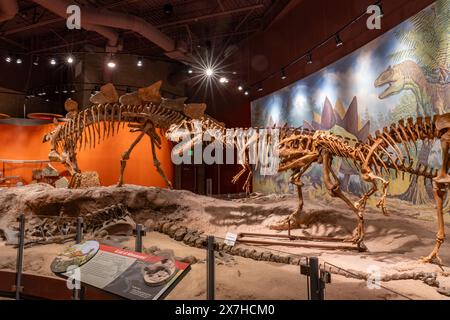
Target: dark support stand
139 232
80 226
20 249
316 278
77 294
210 272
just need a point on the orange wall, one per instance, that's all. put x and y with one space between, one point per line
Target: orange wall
25 143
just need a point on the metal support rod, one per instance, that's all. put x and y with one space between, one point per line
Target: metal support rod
139 232
210 271
314 279
80 226
20 249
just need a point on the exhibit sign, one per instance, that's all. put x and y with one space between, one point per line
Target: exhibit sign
128 274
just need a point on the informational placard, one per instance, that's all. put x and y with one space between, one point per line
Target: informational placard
129 274
230 239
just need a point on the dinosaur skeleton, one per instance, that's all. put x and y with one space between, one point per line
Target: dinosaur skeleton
143 111
52 229
388 151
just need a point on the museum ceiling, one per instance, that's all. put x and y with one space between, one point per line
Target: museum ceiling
220 24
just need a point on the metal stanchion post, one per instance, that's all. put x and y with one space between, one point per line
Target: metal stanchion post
80 226
210 273
20 248
77 293
139 232
314 279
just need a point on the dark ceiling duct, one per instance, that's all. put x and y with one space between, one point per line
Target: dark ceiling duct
8 9
95 17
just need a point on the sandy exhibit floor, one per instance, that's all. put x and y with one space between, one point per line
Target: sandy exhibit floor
395 243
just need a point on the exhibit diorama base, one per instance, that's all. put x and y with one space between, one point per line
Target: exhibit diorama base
181 219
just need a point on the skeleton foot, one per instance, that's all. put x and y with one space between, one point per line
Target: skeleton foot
382 204
293 221
431 258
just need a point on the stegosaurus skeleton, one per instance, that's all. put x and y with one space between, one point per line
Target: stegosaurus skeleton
388 150
143 111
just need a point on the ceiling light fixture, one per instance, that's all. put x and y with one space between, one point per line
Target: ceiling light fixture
223 80
53 61
240 88
283 74
260 87
309 58
209 72
140 63
19 60
70 60
36 61
8 59
338 40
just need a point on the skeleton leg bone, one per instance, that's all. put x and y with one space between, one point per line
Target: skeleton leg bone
439 192
126 154
335 191
157 164
296 219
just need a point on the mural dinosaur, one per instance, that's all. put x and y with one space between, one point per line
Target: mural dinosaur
142 111
432 98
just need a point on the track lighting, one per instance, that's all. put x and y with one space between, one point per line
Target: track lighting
309 58
240 88
19 60
70 59
223 80
283 74
260 87
190 71
36 61
140 63
8 59
72 89
380 5
64 90
338 40
53 61
246 93
56 90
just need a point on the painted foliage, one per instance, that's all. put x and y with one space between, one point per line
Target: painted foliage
402 74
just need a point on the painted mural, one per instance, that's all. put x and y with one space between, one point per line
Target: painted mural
404 73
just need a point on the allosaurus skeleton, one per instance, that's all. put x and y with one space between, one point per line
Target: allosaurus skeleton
143 111
388 151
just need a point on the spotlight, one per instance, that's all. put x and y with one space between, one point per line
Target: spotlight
260 87
140 63
246 93
380 5
36 61
234 73
72 89
283 74
209 72
338 40
70 60
53 61
240 88
8 59
190 71
64 90
223 80
168 9
19 60
111 63
309 58
56 90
